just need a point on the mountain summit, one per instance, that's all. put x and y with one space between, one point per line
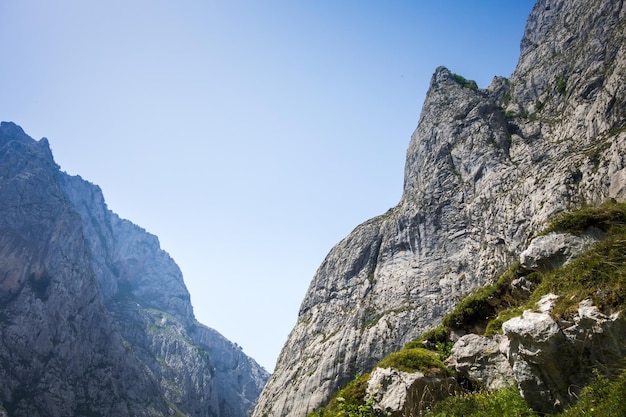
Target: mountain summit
485 170
95 319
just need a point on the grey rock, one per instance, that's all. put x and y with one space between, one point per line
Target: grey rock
551 360
60 353
482 360
397 393
95 318
479 183
537 356
521 288
556 249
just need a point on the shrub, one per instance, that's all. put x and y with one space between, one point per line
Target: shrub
561 85
348 402
465 83
505 402
415 360
602 398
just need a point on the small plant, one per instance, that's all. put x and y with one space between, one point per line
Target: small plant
602 398
415 360
348 400
561 85
538 105
504 402
465 83
346 409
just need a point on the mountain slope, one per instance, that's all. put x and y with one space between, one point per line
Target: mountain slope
95 317
484 171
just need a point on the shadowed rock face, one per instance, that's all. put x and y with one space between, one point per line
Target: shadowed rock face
485 169
95 318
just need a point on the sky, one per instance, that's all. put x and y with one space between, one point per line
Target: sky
249 136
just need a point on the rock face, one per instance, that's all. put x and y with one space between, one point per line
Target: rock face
485 169
95 318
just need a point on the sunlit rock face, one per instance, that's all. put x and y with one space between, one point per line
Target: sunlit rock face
485 169
95 318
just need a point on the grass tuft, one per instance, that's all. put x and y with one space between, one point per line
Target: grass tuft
415 360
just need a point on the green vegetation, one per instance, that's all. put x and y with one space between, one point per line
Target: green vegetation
415 360
505 402
602 398
348 402
478 308
599 274
561 85
436 340
606 217
465 83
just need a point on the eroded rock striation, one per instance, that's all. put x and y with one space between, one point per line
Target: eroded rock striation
485 169
95 318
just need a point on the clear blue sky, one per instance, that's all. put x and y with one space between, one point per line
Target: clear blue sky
249 136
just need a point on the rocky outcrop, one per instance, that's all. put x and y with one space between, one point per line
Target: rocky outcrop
396 393
95 318
556 249
485 169
551 360
483 361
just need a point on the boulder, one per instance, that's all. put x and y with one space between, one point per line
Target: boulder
398 393
556 249
482 361
551 360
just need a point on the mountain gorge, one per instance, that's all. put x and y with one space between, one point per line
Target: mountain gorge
95 319
486 169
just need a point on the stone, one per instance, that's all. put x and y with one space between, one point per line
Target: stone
551 360
521 288
556 249
398 393
537 355
481 360
546 303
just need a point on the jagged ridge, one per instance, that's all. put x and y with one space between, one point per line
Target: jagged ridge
95 318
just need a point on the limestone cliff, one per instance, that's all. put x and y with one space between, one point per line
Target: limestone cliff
95 318
485 169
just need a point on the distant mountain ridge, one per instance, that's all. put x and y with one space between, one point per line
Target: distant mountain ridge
485 170
95 319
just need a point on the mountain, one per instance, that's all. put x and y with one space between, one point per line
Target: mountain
485 171
95 319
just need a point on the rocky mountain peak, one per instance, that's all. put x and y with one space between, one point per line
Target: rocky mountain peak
485 170
95 318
